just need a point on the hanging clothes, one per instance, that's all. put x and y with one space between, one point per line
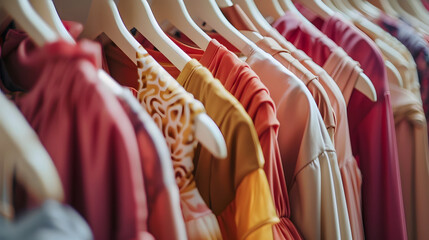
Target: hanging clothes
216 52
84 129
240 80
413 154
418 48
228 228
173 110
264 65
366 148
242 23
350 173
251 186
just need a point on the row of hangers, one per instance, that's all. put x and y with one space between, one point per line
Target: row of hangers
40 19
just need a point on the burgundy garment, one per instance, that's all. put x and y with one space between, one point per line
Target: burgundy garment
418 47
85 131
371 124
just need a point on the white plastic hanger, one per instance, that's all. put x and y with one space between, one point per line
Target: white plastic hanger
393 74
46 10
33 166
208 11
22 153
365 8
104 18
137 14
22 12
177 14
318 7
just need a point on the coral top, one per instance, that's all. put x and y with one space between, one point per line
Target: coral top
85 131
376 154
236 188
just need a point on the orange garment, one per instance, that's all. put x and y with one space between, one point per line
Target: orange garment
350 172
236 188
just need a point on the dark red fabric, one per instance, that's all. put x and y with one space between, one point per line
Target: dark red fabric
84 129
161 198
371 125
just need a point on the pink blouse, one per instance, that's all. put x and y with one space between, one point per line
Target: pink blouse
376 154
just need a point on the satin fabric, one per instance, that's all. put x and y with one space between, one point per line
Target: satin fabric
85 131
350 173
251 213
376 154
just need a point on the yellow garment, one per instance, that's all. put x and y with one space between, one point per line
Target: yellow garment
235 188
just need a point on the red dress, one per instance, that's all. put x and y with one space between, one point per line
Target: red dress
84 129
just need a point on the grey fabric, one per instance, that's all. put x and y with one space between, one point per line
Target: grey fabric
52 221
